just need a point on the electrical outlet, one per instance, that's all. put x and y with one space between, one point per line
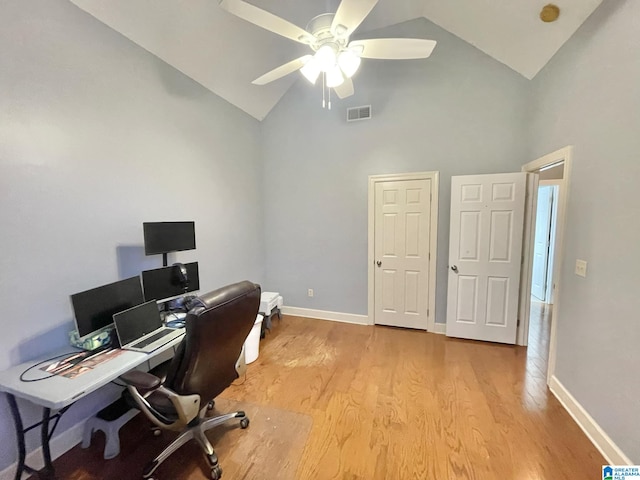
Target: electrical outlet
310 292
581 268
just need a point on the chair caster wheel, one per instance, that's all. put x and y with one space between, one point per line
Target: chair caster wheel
216 473
244 423
213 461
210 405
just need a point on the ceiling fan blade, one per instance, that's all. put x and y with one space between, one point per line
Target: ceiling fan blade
282 70
345 89
266 20
393 48
350 15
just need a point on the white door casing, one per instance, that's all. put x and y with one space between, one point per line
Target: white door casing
485 249
402 237
565 155
542 243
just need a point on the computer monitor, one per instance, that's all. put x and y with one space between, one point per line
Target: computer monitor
94 309
165 237
163 284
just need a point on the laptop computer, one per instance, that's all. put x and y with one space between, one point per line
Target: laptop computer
140 328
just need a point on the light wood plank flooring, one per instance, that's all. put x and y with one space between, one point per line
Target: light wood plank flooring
388 403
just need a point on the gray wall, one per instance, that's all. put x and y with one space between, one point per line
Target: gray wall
589 97
460 112
97 136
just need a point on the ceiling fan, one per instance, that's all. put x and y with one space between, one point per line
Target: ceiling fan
335 58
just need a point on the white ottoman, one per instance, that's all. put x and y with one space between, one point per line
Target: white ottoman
270 304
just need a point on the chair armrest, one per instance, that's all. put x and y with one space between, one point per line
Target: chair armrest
141 380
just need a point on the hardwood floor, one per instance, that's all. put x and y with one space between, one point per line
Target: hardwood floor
386 403
539 334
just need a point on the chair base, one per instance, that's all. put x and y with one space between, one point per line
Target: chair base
197 432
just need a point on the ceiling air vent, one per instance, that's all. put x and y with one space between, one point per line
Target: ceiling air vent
359 113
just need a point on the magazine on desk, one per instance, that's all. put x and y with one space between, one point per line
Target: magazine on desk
76 364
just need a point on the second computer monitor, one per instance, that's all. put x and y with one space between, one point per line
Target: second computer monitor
162 284
93 309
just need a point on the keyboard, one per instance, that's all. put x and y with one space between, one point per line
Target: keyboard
152 338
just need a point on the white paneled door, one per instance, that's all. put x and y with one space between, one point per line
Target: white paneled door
542 243
401 252
485 252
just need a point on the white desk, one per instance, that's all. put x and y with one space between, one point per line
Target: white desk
59 393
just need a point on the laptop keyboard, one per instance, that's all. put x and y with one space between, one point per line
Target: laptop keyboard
152 339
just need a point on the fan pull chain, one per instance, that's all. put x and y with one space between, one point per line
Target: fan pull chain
323 88
329 91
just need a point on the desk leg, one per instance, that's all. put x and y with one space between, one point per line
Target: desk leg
46 449
45 435
17 420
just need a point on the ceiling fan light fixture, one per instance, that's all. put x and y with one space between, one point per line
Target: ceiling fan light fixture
325 58
327 36
311 70
349 62
335 77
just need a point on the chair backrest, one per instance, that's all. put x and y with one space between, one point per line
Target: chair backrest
215 331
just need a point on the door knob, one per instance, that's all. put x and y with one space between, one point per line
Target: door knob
454 268
379 263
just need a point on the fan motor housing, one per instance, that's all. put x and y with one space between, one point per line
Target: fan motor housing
320 28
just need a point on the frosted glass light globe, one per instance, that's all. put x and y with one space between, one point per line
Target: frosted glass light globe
349 62
326 58
311 70
335 77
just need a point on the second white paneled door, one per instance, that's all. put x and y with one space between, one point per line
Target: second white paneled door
401 252
485 254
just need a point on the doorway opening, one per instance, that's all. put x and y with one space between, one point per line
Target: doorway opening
542 271
542 257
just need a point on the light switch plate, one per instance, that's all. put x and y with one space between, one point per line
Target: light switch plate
581 268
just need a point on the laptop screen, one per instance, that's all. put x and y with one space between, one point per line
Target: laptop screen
136 322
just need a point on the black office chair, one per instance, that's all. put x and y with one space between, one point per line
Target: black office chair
204 365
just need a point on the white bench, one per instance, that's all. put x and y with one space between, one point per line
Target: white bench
110 420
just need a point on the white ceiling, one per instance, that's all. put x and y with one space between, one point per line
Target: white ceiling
510 30
224 53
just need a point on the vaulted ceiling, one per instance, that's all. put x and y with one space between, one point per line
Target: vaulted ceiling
225 53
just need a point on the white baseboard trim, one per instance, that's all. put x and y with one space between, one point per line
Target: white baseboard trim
59 446
440 328
592 430
326 315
